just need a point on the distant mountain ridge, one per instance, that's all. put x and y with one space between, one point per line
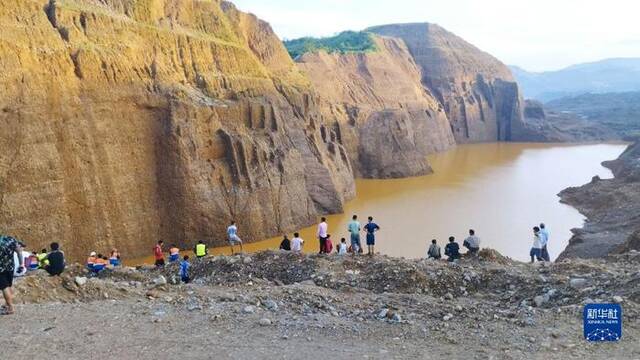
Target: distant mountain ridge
605 76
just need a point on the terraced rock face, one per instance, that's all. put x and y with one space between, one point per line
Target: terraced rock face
129 121
478 92
387 120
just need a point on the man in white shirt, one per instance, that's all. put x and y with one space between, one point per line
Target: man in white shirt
323 230
297 243
472 243
544 238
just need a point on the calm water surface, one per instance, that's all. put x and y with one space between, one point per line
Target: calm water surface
501 190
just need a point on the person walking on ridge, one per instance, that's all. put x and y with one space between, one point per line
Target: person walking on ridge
234 239
536 248
371 228
354 230
434 251
452 250
9 246
323 229
544 236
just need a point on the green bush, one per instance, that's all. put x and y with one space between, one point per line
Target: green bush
345 42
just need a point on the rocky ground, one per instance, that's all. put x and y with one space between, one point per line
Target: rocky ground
612 208
281 305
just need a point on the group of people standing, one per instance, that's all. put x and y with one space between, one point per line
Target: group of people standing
354 229
540 241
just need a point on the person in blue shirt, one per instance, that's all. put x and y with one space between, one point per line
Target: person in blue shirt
371 229
544 238
184 269
452 250
232 235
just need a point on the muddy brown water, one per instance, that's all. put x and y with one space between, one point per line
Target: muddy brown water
501 190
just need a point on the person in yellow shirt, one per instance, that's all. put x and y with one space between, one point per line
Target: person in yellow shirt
201 249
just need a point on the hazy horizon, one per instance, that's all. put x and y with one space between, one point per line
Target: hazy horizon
572 31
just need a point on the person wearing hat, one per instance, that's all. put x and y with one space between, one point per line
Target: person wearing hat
91 260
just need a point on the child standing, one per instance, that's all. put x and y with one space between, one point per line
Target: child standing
184 270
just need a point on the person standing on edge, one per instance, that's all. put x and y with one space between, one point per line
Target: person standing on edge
452 250
472 243
434 251
232 234
371 229
323 229
158 255
9 246
354 229
544 236
200 250
536 249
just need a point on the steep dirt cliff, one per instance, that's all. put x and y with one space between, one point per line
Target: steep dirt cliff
387 120
129 121
478 92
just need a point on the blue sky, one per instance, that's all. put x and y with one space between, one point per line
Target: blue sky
537 35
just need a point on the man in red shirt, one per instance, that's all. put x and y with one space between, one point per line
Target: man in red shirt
157 253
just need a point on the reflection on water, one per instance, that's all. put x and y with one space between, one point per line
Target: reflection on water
501 190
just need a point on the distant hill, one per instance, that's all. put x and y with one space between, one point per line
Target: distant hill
619 112
606 76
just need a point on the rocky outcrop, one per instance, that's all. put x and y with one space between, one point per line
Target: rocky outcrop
612 208
129 121
387 120
478 92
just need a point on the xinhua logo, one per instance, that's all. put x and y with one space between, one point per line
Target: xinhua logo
603 322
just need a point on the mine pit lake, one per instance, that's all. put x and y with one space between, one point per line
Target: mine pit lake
501 190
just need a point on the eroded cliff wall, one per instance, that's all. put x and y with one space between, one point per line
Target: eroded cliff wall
478 92
129 121
387 120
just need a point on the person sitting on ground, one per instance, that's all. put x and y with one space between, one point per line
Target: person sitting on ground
184 269
32 262
434 251
42 258
99 264
472 243
342 247
158 255
328 244
174 253
285 244
232 235
536 248
371 228
201 250
114 259
544 236
91 260
452 250
297 243
56 260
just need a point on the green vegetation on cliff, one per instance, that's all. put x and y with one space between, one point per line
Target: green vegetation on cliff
345 42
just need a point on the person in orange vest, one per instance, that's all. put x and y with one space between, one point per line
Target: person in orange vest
91 261
174 254
100 263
